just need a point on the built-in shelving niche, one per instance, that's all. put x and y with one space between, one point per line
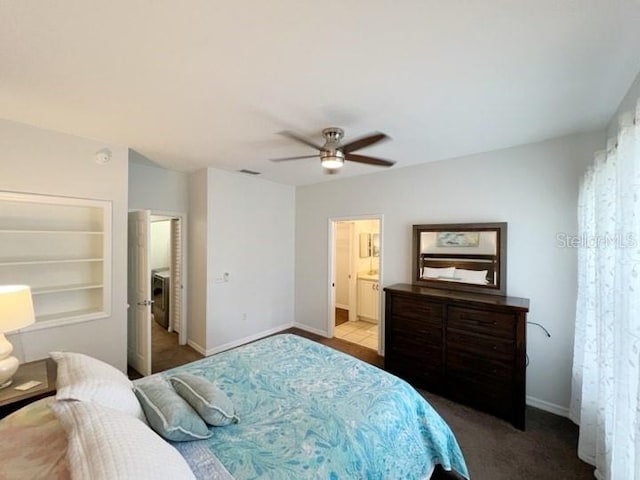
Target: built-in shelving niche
61 247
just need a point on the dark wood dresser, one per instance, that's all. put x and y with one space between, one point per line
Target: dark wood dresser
468 347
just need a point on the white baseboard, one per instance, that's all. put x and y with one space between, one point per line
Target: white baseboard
197 347
548 406
322 333
250 338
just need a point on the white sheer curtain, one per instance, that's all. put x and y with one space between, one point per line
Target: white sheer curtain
606 365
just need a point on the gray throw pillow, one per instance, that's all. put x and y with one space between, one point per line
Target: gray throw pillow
169 414
209 401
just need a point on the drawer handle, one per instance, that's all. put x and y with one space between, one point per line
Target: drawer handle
484 322
478 321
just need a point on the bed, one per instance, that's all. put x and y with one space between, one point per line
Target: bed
305 411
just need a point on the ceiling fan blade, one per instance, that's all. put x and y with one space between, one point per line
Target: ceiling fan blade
300 138
286 159
368 160
364 142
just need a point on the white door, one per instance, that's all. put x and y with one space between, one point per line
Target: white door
343 264
139 293
175 304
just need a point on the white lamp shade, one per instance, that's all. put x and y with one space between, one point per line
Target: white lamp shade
16 307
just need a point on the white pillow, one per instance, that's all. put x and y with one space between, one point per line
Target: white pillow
81 377
472 276
429 272
104 444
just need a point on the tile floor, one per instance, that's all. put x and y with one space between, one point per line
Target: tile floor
359 332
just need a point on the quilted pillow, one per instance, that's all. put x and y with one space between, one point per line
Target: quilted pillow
81 377
105 444
211 403
169 414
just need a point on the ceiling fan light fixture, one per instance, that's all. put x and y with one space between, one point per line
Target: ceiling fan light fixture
332 160
333 153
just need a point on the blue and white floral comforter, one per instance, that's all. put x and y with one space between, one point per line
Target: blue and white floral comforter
308 411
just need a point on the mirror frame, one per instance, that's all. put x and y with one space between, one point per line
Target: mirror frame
501 252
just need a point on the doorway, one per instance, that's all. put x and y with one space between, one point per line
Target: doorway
166 285
157 326
355 250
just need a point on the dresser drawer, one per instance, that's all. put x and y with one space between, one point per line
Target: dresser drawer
491 347
422 371
480 367
415 325
422 331
417 309
491 398
416 348
496 324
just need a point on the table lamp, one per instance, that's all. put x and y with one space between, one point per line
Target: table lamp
16 311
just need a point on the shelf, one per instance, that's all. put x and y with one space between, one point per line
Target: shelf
4 263
60 246
65 318
89 312
64 288
63 232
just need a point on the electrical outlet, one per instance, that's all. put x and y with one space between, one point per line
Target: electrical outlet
223 277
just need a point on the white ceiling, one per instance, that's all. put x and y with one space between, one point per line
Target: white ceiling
193 83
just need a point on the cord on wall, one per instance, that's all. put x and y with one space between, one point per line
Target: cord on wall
542 327
545 331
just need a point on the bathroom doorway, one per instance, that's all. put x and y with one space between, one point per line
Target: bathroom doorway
355 312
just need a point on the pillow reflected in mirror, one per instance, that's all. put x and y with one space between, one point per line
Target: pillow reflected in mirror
478 277
446 272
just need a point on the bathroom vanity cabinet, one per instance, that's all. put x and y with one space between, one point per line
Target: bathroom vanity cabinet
368 306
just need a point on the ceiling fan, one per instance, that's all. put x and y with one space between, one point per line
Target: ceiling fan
333 153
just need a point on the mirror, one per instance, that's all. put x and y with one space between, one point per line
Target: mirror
471 257
369 245
375 245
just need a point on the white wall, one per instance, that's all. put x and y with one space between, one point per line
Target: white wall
34 160
533 188
252 237
628 104
243 226
197 293
156 188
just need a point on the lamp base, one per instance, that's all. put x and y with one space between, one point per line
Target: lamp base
6 384
8 368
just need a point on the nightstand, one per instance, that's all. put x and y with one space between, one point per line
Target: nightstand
42 370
